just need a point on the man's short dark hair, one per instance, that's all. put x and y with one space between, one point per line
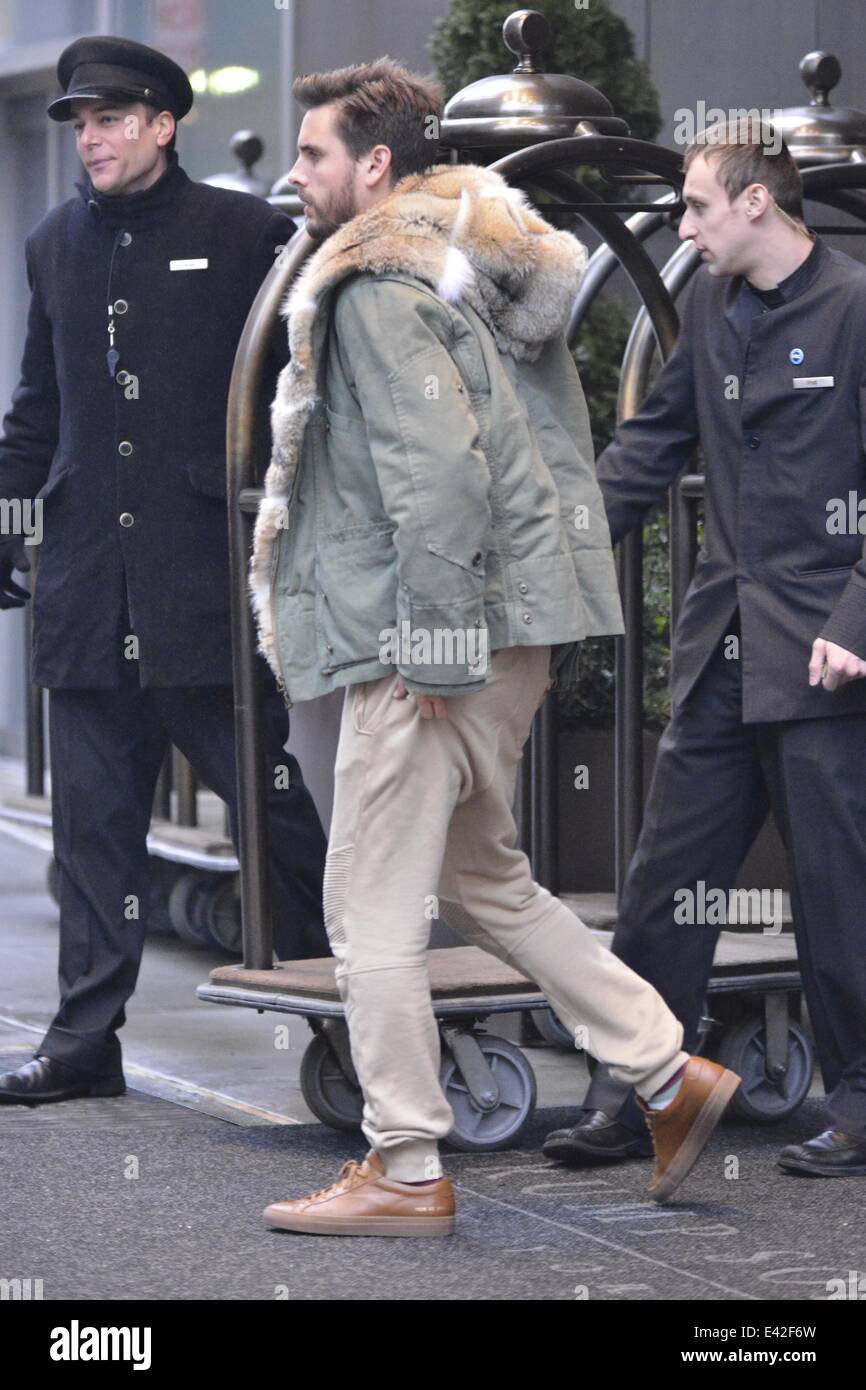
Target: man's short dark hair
380 103
744 152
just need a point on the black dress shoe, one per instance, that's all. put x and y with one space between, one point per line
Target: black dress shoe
44 1079
596 1138
830 1155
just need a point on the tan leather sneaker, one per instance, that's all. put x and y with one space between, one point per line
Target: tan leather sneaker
681 1130
364 1202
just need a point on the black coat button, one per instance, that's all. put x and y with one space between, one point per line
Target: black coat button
120 306
754 441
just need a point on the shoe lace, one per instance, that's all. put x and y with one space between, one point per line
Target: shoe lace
348 1178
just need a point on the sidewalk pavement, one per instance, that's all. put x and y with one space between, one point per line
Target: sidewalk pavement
142 1197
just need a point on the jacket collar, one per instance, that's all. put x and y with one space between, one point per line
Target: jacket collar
135 209
462 230
739 293
801 278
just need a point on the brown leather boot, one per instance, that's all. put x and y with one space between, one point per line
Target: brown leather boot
364 1202
681 1130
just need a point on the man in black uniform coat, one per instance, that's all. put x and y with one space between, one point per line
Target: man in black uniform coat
141 285
769 374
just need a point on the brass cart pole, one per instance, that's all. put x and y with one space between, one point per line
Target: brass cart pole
243 473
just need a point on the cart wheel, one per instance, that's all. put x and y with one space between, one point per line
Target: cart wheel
552 1029
477 1130
52 879
184 908
163 876
332 1098
743 1049
222 913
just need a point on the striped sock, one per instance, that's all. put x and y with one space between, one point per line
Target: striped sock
666 1093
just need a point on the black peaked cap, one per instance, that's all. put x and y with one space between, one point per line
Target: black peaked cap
119 69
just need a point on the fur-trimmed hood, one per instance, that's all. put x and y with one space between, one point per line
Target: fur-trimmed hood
461 230
465 232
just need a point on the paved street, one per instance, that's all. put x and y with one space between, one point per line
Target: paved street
158 1194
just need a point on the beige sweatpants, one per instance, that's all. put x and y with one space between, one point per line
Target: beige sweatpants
422 818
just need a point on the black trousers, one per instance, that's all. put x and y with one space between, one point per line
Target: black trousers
107 748
715 780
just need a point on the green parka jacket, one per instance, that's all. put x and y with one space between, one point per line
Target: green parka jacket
432 492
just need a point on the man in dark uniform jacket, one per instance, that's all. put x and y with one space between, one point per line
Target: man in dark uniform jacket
768 700
141 285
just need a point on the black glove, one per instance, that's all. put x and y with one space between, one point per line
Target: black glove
13 556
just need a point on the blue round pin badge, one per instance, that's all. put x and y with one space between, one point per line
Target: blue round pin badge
796 355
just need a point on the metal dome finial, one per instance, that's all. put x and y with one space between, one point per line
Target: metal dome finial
527 105
247 148
819 132
527 34
820 71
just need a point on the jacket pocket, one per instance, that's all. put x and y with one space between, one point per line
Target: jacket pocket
445 489
294 636
345 424
370 703
357 592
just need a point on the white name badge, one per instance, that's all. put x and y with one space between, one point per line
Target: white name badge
806 383
200 264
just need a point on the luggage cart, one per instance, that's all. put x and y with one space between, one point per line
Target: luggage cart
752 1021
489 1082
755 1029
752 1018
